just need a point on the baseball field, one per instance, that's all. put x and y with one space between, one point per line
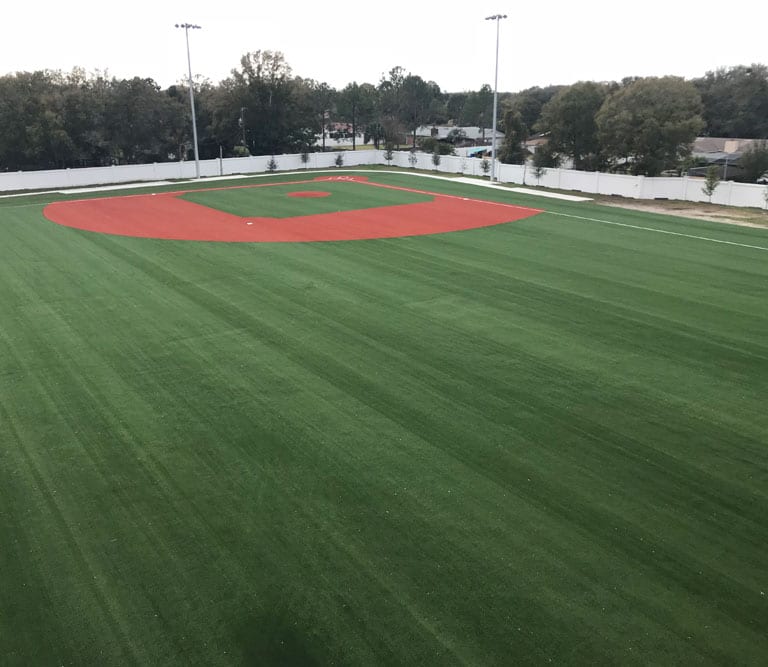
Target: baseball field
379 419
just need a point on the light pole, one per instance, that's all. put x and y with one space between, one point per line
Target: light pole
497 18
187 27
241 121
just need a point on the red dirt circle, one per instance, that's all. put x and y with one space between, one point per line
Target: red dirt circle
309 193
166 216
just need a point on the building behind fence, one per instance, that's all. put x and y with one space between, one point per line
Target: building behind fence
637 187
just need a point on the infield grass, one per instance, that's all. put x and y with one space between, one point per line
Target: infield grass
275 201
545 440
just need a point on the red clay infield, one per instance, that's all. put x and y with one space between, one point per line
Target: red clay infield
166 216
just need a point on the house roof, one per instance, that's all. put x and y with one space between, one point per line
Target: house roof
704 146
720 157
473 133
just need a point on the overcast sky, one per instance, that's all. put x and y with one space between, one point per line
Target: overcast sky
542 43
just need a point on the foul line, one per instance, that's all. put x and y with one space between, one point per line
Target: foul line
445 196
660 231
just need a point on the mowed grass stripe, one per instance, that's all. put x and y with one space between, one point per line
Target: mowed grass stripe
333 445
662 231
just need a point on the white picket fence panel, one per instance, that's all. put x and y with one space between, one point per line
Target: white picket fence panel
685 188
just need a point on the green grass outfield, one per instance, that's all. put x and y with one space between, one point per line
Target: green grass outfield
546 440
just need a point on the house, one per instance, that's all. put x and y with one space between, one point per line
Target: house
536 141
472 135
723 152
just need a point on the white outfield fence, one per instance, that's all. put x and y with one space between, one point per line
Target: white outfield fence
685 188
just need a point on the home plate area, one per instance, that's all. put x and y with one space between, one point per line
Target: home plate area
379 215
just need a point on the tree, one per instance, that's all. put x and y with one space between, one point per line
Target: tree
320 100
512 150
438 106
455 104
478 108
388 154
432 145
277 103
31 124
374 132
650 123
416 98
530 103
356 104
52 120
272 165
339 161
388 127
711 181
485 166
456 136
544 156
407 101
569 118
138 117
735 101
304 157
754 161
207 97
412 159
86 120
391 131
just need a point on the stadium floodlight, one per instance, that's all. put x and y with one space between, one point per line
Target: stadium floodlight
497 18
187 27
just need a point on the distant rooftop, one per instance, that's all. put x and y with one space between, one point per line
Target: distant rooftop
704 146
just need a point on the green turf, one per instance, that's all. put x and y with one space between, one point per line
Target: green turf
274 201
538 441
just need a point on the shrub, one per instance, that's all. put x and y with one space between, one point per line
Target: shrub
432 145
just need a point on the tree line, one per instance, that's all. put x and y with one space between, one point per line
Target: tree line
641 125
50 119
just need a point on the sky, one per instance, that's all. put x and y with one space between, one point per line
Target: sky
449 42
